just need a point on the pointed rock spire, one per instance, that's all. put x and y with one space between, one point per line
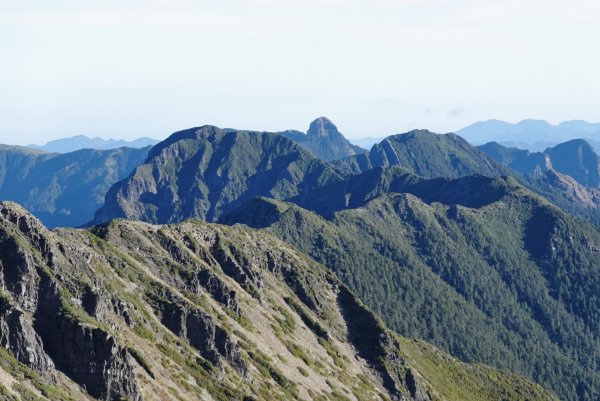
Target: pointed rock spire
322 127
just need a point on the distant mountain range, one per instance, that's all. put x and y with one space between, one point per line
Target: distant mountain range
530 132
325 141
575 158
66 145
532 135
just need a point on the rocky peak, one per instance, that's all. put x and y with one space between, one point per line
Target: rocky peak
16 214
415 133
197 133
579 145
29 226
324 141
322 127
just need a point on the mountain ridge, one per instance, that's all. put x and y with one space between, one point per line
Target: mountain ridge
434 155
575 158
63 189
207 312
221 168
452 155
484 279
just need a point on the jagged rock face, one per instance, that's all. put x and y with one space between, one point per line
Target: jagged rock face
324 141
575 158
133 311
587 197
36 324
63 189
19 337
200 330
206 172
321 128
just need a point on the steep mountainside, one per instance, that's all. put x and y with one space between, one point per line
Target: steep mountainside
577 194
202 312
595 142
426 154
481 267
575 158
65 145
204 172
355 191
433 155
324 141
63 189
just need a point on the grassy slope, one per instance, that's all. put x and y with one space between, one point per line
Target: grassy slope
502 284
293 324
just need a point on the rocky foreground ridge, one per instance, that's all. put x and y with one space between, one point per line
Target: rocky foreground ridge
129 310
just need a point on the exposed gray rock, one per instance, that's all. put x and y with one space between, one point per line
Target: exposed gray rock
200 330
19 337
324 141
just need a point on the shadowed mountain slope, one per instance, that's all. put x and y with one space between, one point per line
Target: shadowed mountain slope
63 189
205 172
479 266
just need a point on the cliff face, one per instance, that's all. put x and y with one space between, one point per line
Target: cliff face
575 158
130 310
206 172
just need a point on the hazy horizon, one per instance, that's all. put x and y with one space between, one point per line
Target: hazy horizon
375 136
129 69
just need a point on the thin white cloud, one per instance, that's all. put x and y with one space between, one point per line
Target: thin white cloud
457 112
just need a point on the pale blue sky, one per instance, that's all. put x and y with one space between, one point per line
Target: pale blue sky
147 68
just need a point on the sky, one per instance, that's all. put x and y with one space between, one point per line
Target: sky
125 69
